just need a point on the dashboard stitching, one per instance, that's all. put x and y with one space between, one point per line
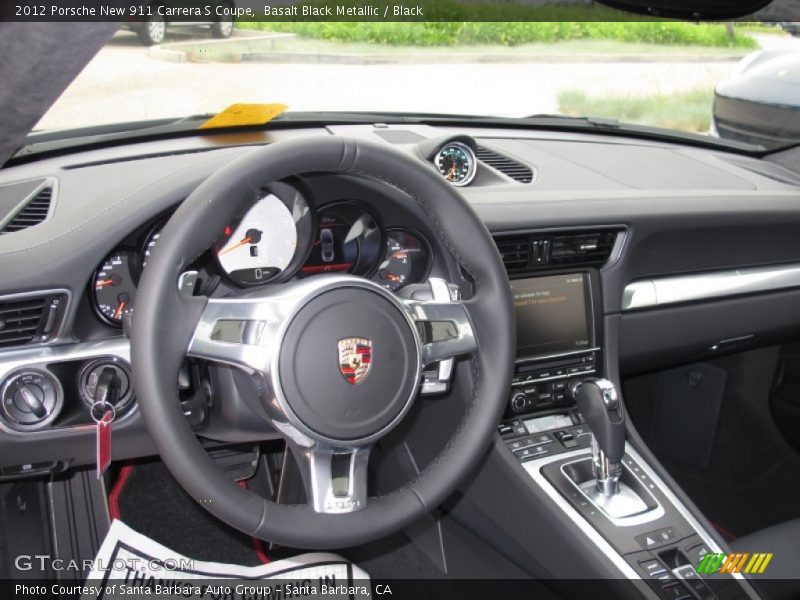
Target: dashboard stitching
126 198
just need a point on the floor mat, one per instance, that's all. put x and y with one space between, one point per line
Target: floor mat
149 500
751 480
131 564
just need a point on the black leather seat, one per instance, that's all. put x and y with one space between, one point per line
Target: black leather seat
781 579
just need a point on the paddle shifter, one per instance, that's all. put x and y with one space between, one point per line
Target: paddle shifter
598 401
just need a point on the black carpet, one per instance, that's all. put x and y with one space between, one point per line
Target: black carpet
751 480
154 504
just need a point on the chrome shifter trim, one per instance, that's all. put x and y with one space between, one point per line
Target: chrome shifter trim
534 469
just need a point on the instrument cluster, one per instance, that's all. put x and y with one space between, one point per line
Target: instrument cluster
278 237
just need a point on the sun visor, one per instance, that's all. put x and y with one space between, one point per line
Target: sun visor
39 61
696 10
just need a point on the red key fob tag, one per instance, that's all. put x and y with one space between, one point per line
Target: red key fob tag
104 417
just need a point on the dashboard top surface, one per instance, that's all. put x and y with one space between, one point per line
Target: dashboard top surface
654 189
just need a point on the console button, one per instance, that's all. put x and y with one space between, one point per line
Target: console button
505 429
518 427
532 452
559 372
566 439
672 589
544 374
695 549
559 386
653 568
657 538
694 582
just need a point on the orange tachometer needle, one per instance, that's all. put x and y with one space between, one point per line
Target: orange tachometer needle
104 282
118 312
238 244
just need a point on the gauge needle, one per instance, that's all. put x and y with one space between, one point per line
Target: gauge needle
118 312
104 282
238 244
452 173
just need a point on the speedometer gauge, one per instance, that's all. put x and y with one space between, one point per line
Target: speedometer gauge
270 237
457 163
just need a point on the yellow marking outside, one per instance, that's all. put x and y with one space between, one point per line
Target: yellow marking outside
238 115
764 564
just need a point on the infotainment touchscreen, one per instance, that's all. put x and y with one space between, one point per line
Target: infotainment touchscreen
551 314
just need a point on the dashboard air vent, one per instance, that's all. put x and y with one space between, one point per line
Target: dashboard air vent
33 213
30 319
587 248
552 250
515 252
512 168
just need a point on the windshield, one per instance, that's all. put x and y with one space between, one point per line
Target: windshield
703 78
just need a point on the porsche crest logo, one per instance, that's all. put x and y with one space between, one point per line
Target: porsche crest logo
355 359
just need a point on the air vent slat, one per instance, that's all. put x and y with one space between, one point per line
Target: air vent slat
32 214
506 165
31 319
537 251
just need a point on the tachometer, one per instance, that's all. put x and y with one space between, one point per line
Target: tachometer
113 287
269 238
406 260
457 163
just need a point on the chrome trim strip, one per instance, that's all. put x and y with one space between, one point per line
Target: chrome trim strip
40 356
660 291
534 469
685 513
640 519
544 379
544 357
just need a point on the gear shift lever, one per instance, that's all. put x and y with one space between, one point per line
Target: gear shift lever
598 401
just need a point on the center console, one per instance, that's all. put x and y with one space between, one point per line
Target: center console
565 423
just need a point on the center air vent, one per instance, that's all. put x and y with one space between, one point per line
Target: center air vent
508 166
30 319
30 212
550 250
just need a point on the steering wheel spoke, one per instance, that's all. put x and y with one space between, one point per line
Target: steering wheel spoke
239 331
335 478
444 323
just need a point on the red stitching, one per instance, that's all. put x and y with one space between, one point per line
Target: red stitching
116 491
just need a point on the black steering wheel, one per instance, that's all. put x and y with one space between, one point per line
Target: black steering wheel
292 343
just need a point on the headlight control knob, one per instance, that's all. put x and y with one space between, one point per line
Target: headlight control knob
31 399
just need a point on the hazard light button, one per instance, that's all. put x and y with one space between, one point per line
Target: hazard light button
658 538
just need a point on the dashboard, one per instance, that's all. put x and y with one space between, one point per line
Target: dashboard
588 226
